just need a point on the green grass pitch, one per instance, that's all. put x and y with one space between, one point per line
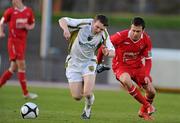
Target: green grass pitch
57 106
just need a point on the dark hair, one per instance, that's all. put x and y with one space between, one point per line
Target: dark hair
138 21
102 18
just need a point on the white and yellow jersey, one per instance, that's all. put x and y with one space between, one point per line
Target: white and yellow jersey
83 43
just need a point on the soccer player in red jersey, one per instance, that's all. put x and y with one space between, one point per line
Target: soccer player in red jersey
132 62
20 19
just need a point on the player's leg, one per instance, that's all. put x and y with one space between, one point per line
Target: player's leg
99 55
89 82
22 75
89 74
22 79
76 89
126 80
8 73
149 96
13 67
20 49
101 67
75 79
149 92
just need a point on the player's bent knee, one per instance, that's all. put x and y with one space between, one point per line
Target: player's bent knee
77 98
125 78
12 69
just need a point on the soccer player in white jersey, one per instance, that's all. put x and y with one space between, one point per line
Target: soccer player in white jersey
84 37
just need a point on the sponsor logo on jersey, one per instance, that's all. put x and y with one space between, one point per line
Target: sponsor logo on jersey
87 45
21 20
126 43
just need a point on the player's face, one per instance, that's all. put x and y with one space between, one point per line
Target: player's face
136 32
15 3
97 27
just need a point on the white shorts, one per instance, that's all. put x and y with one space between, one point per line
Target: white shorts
75 70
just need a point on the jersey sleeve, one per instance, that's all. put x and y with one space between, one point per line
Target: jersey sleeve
107 41
147 51
75 23
31 18
147 55
116 38
7 15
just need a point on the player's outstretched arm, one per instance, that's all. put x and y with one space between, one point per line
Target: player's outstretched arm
107 52
2 34
111 53
63 24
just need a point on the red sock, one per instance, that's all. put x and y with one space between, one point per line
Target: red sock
133 91
6 76
22 80
99 55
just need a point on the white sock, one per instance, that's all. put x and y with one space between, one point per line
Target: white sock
89 101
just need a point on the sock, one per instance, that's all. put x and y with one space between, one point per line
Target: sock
22 80
6 76
89 101
100 55
133 91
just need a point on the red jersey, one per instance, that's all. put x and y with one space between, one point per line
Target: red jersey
16 18
129 53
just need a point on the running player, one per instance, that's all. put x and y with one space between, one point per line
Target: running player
132 62
20 19
84 36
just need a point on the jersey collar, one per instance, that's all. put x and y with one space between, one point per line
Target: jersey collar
132 40
20 10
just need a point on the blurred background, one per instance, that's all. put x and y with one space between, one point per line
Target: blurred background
46 49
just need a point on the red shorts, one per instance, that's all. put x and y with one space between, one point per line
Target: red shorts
16 49
137 74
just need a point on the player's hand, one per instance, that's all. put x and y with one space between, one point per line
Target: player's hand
2 35
67 34
147 79
105 50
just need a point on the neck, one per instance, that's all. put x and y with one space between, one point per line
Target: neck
20 6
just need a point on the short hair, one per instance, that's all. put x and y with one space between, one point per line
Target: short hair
138 21
102 18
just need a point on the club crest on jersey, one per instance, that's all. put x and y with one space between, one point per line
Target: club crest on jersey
15 12
141 47
90 38
91 68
